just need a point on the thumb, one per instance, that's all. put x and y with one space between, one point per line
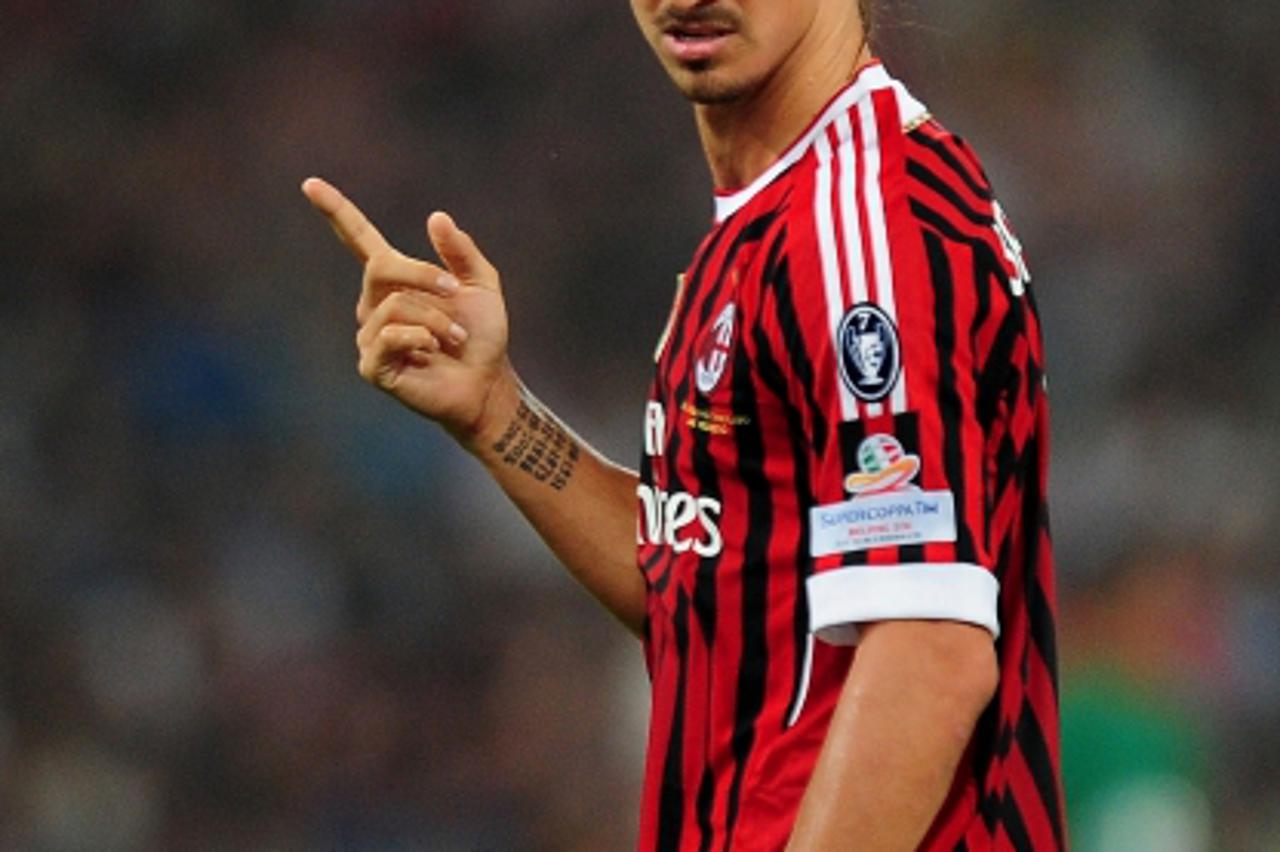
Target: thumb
459 252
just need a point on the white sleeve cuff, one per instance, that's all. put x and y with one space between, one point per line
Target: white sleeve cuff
841 599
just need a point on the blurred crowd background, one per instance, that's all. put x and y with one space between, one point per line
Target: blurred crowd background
248 603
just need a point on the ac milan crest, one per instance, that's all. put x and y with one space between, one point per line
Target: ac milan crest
715 350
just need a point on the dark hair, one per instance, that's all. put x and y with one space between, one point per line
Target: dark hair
867 8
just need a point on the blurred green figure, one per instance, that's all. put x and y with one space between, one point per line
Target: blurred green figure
1135 758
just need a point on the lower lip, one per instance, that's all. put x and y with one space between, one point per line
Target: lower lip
694 50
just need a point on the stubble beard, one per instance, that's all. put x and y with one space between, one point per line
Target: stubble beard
703 88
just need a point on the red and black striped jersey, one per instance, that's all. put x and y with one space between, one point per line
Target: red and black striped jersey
848 424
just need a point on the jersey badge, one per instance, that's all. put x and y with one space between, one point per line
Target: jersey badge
870 352
886 508
884 466
714 350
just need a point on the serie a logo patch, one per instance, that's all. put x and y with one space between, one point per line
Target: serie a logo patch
883 466
870 352
886 509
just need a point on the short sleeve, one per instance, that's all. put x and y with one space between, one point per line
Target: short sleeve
886 326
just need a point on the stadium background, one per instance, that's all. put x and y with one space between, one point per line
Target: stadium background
248 603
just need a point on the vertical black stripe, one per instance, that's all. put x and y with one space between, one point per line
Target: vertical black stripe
704 593
774 263
671 799
798 355
1039 614
1007 467
692 291
1004 561
982 278
707 479
704 583
772 376
994 377
757 228
802 375
692 284
906 428
752 231
705 606
673 485
1043 629
950 405
1014 825
706 799
985 752
753 667
1035 381
1035 751
1013 387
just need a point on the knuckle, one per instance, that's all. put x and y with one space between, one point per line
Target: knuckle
368 332
370 276
376 272
376 266
359 224
386 265
397 302
413 306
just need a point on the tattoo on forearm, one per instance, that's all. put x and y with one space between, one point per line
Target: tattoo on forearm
538 445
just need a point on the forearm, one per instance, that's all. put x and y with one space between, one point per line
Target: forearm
901 726
581 504
437 342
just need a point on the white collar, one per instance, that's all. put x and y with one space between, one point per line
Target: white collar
870 79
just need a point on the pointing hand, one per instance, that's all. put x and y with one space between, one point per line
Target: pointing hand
434 337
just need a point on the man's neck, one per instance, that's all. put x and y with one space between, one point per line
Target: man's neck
741 140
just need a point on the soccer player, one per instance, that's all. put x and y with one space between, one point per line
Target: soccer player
836 547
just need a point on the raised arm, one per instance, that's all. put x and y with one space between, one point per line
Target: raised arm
435 338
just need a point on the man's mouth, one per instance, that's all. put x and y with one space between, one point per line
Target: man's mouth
695 41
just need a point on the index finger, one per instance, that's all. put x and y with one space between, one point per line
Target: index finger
352 227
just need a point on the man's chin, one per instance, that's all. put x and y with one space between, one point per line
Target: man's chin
709 90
